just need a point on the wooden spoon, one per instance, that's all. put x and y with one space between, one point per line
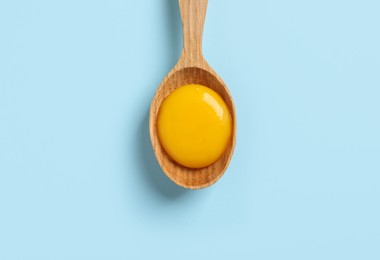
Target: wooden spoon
191 68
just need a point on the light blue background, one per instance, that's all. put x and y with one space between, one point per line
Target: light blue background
78 179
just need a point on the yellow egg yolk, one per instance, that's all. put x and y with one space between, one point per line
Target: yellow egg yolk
194 126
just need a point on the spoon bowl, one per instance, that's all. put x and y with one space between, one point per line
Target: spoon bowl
191 68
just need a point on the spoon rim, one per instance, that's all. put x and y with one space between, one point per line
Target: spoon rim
160 153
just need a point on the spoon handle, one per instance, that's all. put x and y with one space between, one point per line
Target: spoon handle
193 13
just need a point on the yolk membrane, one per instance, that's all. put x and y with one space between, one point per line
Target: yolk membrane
194 126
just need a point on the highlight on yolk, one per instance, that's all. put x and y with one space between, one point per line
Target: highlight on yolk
194 126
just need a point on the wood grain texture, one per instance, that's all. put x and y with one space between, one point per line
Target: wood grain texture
191 68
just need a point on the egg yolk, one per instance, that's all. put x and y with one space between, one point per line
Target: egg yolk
194 126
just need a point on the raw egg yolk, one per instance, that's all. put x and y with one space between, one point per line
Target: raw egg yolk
194 126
